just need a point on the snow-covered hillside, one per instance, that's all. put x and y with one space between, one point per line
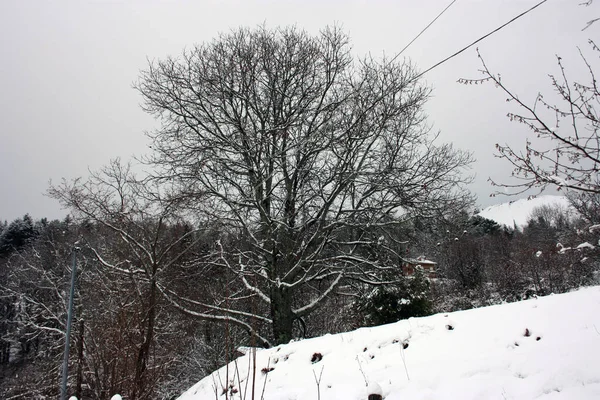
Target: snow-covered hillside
545 348
517 212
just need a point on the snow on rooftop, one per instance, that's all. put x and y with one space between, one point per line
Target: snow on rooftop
518 211
419 260
545 348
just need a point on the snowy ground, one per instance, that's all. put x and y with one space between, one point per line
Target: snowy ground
545 348
518 212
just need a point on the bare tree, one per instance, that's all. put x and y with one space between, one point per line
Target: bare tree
302 152
35 285
143 240
587 205
564 151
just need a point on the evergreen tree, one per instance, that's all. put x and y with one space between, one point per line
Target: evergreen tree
16 235
407 298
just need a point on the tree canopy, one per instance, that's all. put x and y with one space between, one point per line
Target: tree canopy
305 152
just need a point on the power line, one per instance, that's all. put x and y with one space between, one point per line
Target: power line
479 40
424 29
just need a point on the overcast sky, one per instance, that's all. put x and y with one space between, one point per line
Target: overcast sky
67 67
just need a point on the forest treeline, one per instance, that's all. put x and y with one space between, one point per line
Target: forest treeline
139 337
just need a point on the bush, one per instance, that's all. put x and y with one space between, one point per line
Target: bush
390 303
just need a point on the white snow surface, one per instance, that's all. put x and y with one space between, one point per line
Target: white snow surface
518 211
545 348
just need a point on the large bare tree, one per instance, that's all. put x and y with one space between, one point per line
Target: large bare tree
303 153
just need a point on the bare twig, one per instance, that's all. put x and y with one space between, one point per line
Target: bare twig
237 372
318 381
404 359
362 372
215 387
262 395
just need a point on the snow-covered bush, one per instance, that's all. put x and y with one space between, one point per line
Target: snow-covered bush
390 303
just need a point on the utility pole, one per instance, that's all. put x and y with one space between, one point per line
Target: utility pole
65 371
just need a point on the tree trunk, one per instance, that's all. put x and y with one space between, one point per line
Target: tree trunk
281 314
144 352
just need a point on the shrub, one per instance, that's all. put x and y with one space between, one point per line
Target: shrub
390 303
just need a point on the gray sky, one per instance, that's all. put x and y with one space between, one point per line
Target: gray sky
66 70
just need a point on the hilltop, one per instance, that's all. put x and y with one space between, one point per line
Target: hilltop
517 212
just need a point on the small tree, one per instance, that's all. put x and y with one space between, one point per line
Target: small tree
138 242
306 155
587 205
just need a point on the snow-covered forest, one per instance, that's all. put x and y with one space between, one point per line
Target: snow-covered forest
478 263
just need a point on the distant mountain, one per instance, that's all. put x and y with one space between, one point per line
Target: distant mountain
518 212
